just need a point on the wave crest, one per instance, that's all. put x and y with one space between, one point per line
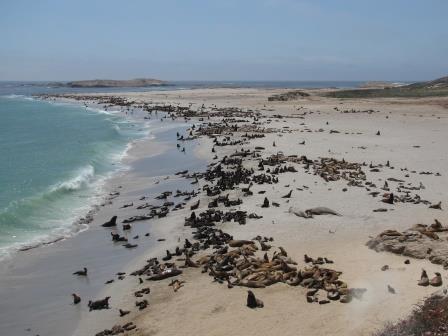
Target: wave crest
83 177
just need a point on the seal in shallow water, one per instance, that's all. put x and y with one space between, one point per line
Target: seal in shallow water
76 299
83 272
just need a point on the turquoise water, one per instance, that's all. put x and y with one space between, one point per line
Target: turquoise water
55 158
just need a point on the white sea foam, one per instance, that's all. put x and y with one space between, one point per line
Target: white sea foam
82 177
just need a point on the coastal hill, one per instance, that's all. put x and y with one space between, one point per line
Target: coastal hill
434 88
105 83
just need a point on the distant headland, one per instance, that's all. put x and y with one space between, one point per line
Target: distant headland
105 83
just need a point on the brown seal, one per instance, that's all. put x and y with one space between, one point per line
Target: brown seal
252 301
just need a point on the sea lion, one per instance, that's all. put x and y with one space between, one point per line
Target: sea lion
288 195
99 304
129 245
239 243
123 312
111 222
299 213
195 206
141 304
424 280
437 280
81 273
322 211
437 206
265 203
76 299
117 238
388 198
252 301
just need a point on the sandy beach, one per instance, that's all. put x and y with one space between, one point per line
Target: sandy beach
202 305
410 134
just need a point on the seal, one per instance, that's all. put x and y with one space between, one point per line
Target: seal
424 280
76 298
123 312
83 272
99 304
111 222
437 280
322 211
252 301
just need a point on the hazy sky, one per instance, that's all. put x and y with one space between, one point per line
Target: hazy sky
224 39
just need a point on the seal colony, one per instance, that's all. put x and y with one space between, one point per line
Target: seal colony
253 183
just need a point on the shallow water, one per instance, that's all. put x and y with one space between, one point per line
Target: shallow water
35 286
55 158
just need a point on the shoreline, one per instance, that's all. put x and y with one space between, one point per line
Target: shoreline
32 260
344 136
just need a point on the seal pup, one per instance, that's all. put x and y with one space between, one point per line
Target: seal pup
391 289
424 280
111 222
252 301
76 299
83 272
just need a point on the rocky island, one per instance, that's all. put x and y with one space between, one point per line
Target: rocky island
105 83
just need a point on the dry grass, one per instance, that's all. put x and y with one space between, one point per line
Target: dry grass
428 319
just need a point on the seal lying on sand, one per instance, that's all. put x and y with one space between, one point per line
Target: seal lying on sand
252 301
322 211
313 211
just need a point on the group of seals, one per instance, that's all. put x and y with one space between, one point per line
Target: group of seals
424 280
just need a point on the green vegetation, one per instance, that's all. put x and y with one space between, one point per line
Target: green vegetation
435 88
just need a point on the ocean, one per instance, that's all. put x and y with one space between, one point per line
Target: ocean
55 159
57 156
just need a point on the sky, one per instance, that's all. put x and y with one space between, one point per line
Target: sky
282 40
